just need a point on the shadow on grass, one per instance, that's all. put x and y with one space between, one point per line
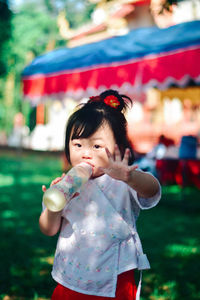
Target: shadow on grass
26 255
169 233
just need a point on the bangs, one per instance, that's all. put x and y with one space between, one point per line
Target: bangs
86 126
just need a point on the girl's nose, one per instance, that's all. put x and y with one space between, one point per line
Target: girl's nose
86 154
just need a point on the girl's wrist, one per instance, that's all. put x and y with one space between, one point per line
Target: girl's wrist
54 214
132 177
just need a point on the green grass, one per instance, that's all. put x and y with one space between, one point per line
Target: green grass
169 232
170 235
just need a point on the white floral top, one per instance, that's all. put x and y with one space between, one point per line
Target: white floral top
98 238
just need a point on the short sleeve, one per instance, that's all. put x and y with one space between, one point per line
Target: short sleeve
146 203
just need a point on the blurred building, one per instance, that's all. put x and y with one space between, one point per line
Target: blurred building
170 12
108 19
119 16
173 112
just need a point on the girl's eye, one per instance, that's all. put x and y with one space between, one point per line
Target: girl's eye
77 145
97 146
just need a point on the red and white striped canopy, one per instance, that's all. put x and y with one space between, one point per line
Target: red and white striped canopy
146 57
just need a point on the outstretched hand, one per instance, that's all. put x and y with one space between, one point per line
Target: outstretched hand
53 182
118 167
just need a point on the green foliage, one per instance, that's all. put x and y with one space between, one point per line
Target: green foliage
29 32
78 13
5 33
32 30
26 32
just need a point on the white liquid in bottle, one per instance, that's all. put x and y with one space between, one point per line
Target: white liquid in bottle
56 197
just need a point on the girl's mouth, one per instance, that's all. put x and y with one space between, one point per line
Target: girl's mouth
89 164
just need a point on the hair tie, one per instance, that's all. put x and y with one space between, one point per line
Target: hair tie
109 100
112 101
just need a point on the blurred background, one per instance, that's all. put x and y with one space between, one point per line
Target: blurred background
54 55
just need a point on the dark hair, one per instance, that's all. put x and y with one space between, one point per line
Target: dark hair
90 116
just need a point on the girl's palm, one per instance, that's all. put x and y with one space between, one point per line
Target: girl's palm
118 167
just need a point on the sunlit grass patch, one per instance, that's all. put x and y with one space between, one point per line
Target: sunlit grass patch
7 214
154 290
167 291
35 179
181 250
24 274
48 259
172 189
6 297
6 180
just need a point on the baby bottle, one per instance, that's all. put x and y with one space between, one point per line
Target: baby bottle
56 197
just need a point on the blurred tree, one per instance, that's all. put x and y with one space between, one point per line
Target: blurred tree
167 4
31 29
5 35
5 32
27 31
78 12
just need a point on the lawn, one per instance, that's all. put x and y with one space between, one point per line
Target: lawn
169 232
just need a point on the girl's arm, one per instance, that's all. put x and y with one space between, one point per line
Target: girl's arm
50 222
143 183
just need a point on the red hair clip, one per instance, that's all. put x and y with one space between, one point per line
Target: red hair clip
112 101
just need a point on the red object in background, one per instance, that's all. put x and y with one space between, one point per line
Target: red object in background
165 141
166 169
188 173
40 114
181 172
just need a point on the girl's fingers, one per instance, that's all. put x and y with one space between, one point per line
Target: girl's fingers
56 180
44 188
53 182
108 153
117 153
126 156
132 168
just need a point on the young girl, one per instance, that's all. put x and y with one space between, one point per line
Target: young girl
98 247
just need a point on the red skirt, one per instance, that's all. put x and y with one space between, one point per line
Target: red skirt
126 290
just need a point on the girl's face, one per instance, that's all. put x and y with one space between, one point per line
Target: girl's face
92 149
